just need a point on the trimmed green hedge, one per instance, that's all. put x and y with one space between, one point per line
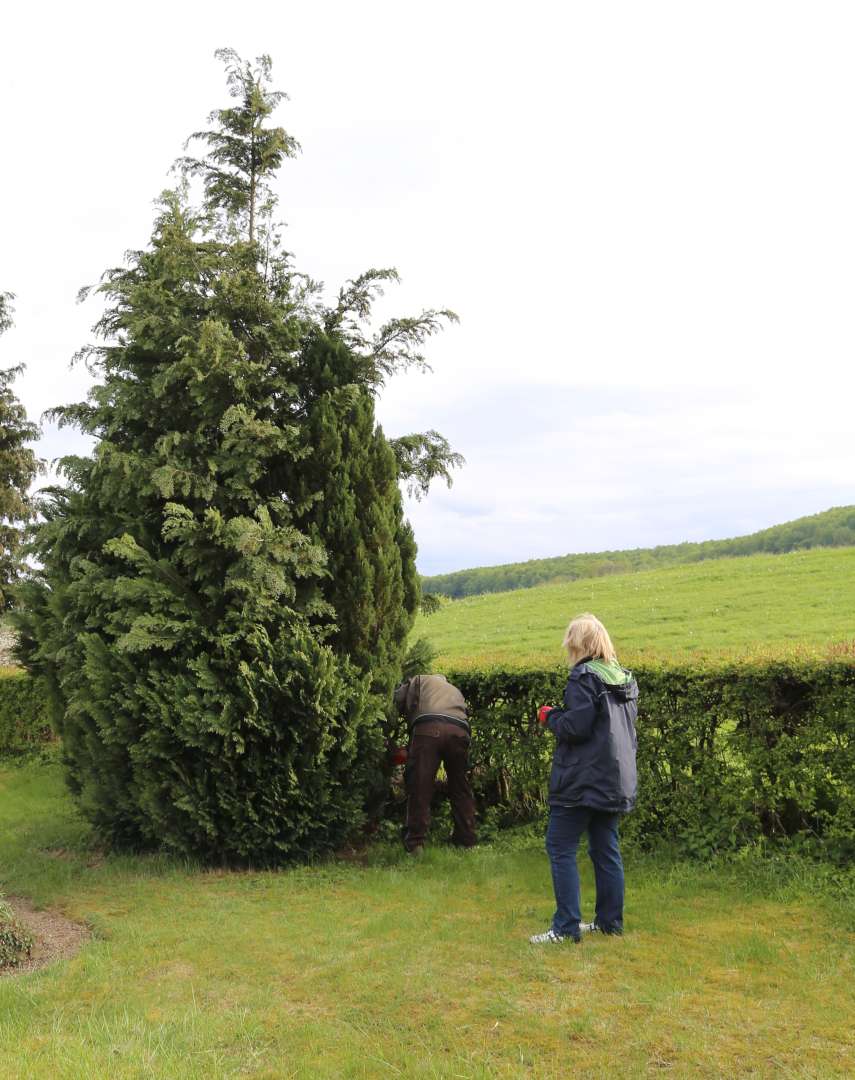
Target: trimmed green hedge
727 755
24 725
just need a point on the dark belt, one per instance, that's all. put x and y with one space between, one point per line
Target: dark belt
425 717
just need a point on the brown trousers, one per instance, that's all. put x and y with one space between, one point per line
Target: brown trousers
432 742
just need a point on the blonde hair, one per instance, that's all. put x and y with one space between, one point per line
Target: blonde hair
587 637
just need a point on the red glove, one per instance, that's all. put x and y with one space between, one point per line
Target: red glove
399 755
543 712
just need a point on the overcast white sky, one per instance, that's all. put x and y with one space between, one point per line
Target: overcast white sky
642 211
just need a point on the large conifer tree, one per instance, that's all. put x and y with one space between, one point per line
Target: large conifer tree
205 590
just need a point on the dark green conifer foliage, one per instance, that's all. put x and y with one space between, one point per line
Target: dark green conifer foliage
355 471
198 616
19 467
198 702
356 513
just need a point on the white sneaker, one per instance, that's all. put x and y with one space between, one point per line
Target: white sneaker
549 937
587 927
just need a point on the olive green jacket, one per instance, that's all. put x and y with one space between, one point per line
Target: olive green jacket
430 695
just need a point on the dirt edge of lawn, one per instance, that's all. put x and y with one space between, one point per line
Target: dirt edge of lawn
54 936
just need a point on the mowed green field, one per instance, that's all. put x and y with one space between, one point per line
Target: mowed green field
725 607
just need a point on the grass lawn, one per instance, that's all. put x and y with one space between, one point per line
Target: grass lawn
725 606
397 968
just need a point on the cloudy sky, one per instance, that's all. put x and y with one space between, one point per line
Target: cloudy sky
642 212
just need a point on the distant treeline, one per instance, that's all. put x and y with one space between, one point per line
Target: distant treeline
832 528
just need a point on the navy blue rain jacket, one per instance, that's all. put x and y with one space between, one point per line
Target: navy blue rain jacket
594 760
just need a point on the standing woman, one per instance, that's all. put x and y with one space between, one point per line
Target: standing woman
593 779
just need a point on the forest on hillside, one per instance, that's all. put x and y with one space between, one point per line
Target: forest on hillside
831 528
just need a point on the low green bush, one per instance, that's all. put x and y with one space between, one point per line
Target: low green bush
24 725
727 754
15 943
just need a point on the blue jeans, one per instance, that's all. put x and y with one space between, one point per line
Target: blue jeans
566 825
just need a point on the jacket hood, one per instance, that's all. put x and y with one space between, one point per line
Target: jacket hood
620 681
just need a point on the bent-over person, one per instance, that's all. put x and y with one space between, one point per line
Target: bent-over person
435 711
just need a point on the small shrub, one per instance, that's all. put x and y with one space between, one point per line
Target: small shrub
432 602
15 943
24 726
